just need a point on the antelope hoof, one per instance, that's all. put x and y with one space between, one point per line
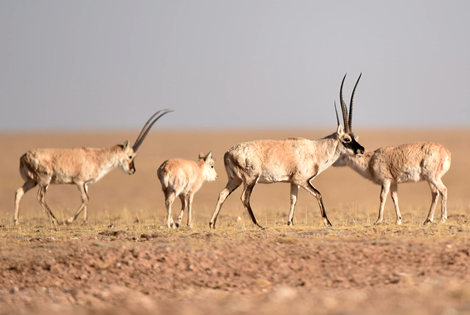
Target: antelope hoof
56 222
211 225
170 223
398 222
290 223
428 221
69 221
379 222
327 223
443 220
15 222
177 224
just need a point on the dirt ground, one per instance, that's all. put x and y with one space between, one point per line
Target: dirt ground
125 261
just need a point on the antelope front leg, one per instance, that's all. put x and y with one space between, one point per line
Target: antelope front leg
294 190
383 198
85 210
435 196
83 206
309 187
442 189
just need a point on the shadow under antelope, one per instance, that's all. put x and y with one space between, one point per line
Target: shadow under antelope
78 166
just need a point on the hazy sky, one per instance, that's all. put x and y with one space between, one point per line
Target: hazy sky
81 65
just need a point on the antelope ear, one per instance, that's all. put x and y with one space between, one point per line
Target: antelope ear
208 156
201 156
126 144
340 130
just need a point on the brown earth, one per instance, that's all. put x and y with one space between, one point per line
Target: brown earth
124 261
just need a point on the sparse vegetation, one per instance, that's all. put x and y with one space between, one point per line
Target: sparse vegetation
126 260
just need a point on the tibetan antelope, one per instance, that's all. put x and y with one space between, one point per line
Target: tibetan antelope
389 166
79 166
296 161
184 178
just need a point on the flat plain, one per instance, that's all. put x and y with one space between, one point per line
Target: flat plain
125 260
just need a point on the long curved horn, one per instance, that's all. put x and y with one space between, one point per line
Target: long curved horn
351 103
148 125
336 112
343 106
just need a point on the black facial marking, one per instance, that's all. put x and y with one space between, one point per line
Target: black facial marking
132 167
354 146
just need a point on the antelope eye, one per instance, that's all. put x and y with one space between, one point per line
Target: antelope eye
212 166
346 140
130 157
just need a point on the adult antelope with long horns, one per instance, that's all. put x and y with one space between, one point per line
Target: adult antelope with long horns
296 161
79 166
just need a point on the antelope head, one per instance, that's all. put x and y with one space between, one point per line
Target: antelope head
128 153
207 163
345 135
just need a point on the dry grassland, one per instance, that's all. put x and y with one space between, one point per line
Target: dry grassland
125 260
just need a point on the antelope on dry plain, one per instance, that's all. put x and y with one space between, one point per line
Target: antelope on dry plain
184 178
296 161
79 166
389 166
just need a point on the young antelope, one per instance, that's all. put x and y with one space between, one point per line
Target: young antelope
184 178
389 166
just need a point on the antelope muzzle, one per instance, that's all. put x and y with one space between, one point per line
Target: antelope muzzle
356 147
131 168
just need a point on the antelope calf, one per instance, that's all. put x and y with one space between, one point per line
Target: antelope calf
78 166
389 166
296 161
184 178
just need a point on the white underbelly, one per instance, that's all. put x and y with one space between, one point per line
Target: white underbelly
273 178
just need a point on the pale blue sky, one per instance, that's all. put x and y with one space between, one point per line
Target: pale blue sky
80 65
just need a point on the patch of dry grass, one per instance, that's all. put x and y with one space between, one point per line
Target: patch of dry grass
348 225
